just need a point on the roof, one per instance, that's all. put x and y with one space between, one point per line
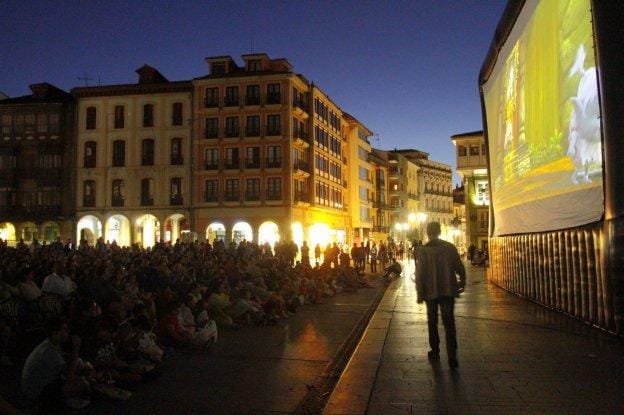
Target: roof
470 134
41 93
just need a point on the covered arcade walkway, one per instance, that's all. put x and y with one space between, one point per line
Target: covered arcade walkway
515 357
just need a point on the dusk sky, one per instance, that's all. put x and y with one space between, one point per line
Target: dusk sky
406 69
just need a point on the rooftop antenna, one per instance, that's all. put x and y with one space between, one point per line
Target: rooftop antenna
251 43
85 78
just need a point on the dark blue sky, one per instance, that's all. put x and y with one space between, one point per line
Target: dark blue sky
406 69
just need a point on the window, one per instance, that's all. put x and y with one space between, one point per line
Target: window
211 192
482 193
119 116
148 115
88 193
177 114
147 152
274 124
232 190
232 96
274 156
254 65
252 96
362 153
363 172
18 124
49 196
147 192
363 194
253 126
482 220
42 123
274 188
7 159
90 154
7 124
91 118
274 95
212 127
53 122
461 151
299 99
232 158
474 150
118 198
212 97
176 191
177 158
364 215
218 69
7 196
119 153
253 158
252 191
232 128
29 123
49 161
212 159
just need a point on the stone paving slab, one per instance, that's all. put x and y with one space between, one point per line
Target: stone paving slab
515 358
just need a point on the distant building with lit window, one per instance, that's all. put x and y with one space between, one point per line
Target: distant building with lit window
472 167
271 152
134 160
36 165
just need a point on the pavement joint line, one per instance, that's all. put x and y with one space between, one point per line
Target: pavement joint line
320 392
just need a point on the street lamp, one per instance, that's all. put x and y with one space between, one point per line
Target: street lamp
421 217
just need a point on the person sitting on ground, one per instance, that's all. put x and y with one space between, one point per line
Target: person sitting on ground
393 270
58 283
49 378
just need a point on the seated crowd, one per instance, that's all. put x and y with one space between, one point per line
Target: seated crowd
101 318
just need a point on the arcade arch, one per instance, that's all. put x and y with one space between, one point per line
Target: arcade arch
268 232
148 230
175 226
240 231
7 232
215 232
89 228
118 229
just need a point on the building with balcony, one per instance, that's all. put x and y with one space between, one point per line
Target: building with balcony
458 224
270 151
361 175
472 167
381 207
133 160
433 190
36 160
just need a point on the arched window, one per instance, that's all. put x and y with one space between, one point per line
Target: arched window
147 152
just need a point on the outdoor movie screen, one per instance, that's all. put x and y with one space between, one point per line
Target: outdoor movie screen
543 121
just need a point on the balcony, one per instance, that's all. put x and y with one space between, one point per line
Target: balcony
273 131
211 197
252 132
252 197
232 164
380 205
413 196
300 108
232 102
29 211
211 134
147 201
232 197
273 163
232 133
301 198
274 98
273 196
252 100
211 165
301 168
176 200
211 103
88 201
300 138
177 160
381 229
117 202
252 163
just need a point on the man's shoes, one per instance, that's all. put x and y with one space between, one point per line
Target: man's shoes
433 355
453 363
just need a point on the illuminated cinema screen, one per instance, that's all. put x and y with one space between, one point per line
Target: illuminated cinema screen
543 121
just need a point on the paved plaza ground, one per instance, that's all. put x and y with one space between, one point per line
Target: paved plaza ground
515 357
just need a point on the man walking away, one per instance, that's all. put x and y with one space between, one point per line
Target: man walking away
437 269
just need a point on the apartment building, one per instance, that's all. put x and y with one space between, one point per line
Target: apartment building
472 167
270 155
36 165
133 160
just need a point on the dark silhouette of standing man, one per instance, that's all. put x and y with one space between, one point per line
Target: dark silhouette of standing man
437 269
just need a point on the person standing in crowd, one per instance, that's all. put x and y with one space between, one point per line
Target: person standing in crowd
472 249
439 264
317 253
373 258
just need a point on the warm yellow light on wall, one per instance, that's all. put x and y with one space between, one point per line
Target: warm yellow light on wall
319 234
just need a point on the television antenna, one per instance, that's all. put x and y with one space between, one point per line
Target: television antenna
85 78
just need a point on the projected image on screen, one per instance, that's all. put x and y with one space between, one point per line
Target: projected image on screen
543 121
